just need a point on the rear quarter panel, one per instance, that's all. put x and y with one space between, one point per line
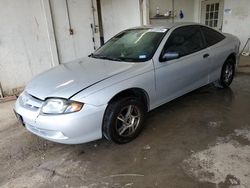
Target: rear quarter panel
219 54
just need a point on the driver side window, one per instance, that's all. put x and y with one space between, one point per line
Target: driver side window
184 41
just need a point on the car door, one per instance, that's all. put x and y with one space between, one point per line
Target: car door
186 72
218 52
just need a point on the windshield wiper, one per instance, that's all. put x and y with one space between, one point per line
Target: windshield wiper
105 57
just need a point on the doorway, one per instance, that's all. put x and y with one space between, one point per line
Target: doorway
212 13
76 28
83 26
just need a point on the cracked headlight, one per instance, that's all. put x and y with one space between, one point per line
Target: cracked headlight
60 106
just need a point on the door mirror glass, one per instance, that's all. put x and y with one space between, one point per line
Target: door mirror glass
170 56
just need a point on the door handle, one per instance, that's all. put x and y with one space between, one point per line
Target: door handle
205 56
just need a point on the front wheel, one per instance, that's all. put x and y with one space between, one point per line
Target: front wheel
123 120
227 74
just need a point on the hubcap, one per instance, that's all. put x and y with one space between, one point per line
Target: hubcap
128 120
228 73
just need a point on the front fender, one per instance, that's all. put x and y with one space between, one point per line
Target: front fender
102 96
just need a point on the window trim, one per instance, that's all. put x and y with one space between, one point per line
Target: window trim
143 28
202 36
207 45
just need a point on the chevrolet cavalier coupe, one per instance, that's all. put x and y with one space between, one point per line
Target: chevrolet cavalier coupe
109 93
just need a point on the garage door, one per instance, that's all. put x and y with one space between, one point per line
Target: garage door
75 32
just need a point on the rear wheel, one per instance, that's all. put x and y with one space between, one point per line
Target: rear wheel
227 74
123 120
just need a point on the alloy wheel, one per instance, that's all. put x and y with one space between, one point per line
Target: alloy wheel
128 120
228 73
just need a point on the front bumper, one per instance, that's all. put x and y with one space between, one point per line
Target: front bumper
74 128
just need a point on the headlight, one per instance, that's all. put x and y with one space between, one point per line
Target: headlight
60 106
24 98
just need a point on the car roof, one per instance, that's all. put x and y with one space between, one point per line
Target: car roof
167 25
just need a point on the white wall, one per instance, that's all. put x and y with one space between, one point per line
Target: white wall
188 8
80 44
119 15
238 21
164 6
197 11
24 43
27 39
145 12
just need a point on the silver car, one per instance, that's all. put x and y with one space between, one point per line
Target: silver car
109 93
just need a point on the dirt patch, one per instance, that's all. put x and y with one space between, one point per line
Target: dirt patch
225 164
244 133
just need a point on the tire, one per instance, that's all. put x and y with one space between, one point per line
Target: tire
123 120
227 74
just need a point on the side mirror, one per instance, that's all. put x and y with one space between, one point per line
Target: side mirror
170 56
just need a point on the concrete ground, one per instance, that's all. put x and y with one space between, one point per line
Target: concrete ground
199 140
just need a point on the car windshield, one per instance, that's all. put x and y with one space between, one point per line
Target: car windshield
134 45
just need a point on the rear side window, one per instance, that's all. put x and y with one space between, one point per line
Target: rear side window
211 36
185 40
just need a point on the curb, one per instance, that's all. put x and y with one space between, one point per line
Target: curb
7 99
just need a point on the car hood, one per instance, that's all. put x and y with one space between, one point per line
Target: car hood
67 79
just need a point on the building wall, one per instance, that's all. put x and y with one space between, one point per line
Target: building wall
77 14
187 7
163 5
24 43
27 38
118 15
197 11
238 21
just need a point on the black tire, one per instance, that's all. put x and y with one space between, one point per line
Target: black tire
120 127
227 74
